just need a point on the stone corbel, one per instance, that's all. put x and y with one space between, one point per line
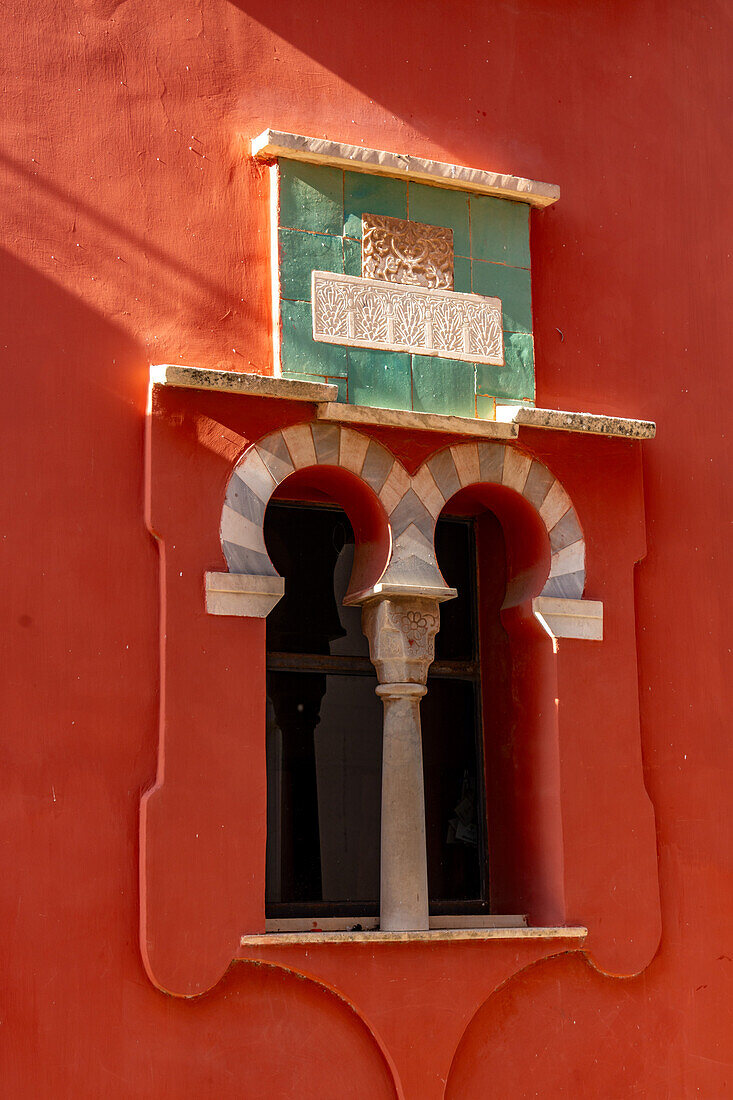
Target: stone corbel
241 594
401 631
565 618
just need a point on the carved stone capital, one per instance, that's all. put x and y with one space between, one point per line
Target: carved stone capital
401 632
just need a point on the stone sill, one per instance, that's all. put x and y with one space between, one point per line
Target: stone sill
593 423
509 418
441 935
415 421
272 144
250 385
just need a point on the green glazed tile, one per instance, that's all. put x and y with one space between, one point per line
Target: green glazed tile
438 206
343 387
311 197
300 255
513 285
364 194
443 386
352 257
379 378
462 274
300 354
515 379
485 407
500 230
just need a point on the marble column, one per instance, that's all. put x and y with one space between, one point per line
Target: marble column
401 631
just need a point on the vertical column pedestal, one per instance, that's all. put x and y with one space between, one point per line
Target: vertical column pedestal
401 631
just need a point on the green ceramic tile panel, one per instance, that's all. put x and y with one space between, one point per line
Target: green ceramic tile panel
311 197
343 387
299 352
485 407
500 230
379 378
320 219
352 257
364 194
516 378
438 206
443 386
300 255
462 274
513 285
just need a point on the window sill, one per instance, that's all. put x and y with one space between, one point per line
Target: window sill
436 935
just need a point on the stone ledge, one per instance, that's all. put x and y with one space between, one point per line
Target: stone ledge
273 939
251 385
415 421
251 597
566 618
275 143
593 423
366 924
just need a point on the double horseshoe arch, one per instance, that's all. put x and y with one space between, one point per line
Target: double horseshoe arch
412 505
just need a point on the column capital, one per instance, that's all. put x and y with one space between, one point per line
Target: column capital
401 632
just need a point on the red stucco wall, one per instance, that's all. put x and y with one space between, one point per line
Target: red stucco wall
134 231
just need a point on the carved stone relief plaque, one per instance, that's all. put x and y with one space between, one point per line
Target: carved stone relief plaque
372 313
398 251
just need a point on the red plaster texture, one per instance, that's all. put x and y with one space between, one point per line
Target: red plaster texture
135 230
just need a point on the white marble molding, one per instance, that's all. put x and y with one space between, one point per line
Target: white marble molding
272 144
411 504
252 597
561 618
373 313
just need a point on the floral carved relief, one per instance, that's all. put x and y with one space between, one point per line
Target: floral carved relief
398 251
401 632
398 317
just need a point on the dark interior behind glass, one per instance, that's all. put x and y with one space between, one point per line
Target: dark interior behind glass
324 729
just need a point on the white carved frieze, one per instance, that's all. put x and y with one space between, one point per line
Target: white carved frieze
373 313
399 251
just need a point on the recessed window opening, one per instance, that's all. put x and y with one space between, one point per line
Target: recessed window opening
324 727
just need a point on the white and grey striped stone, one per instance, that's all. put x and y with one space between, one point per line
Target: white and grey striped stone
412 503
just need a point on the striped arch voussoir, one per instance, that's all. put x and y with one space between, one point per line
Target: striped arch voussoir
265 465
412 505
469 463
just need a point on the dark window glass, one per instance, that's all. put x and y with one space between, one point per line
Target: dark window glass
324 729
324 753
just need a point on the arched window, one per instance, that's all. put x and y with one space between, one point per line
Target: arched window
324 723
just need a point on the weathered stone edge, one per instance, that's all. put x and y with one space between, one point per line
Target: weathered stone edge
415 421
254 385
271 939
560 420
276 143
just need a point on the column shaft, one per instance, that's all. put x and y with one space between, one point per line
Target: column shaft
403 902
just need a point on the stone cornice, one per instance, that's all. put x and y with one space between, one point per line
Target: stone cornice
272 144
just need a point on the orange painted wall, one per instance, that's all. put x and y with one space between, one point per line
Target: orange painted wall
134 230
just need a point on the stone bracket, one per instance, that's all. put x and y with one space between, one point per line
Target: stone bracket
564 618
251 597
